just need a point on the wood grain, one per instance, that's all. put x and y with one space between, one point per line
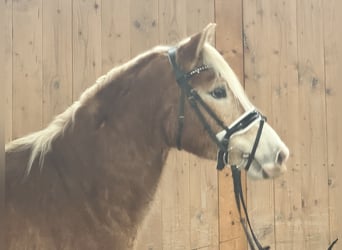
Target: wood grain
27 67
259 78
176 202
143 25
175 185
203 184
333 90
86 45
288 52
312 114
57 58
203 203
229 43
116 41
285 106
172 21
6 62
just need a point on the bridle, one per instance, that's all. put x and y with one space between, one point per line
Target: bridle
242 123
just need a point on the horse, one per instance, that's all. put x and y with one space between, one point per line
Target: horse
86 180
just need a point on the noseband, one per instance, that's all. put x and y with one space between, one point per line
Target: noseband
241 124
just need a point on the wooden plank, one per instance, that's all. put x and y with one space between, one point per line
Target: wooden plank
57 58
229 222
258 83
6 99
333 90
6 62
229 40
203 184
143 35
199 14
285 107
86 44
27 67
176 202
231 244
151 231
115 33
313 141
228 17
203 203
172 21
301 197
175 182
143 25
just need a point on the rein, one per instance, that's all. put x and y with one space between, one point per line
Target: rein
243 123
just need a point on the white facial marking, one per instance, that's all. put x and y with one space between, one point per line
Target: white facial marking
271 153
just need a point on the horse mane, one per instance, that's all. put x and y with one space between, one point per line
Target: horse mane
40 142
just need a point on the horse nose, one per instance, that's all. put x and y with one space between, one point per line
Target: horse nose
282 156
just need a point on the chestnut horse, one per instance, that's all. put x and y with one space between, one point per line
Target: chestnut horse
87 179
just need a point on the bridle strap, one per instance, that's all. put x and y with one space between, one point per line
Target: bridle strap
239 199
332 244
193 97
256 143
211 113
239 125
180 120
205 124
179 77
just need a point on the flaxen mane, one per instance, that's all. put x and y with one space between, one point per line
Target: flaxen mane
39 143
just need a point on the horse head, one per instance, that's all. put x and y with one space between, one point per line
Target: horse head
218 114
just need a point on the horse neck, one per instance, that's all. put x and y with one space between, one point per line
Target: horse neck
117 147
103 167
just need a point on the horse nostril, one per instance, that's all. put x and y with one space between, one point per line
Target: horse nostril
281 157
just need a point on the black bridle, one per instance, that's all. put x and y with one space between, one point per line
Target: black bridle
242 123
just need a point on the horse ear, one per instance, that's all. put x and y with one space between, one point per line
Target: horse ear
190 50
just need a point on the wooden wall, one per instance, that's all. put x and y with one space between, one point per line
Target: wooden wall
293 50
288 52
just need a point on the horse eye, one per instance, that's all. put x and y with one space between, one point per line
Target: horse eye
218 93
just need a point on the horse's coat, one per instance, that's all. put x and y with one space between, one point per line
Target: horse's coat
86 180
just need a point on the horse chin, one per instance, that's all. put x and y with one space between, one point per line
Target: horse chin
259 171
274 170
